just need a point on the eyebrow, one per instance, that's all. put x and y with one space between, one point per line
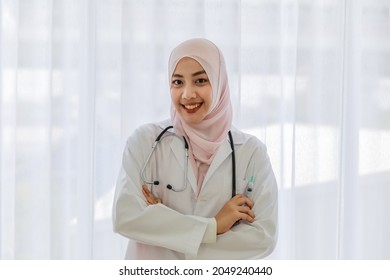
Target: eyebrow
193 75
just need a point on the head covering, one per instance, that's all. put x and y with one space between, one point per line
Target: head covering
205 137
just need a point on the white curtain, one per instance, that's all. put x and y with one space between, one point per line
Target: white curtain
309 78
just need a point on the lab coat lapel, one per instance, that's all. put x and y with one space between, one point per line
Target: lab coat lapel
178 150
223 152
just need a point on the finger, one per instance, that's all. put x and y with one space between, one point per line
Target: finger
150 201
148 195
247 218
246 210
146 192
249 202
241 200
145 189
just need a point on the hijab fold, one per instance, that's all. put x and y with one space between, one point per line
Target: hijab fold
207 136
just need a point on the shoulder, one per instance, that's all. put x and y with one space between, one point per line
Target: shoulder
147 133
248 141
150 129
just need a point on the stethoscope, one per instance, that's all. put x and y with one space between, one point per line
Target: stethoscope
170 187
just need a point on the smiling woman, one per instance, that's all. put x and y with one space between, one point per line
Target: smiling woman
207 220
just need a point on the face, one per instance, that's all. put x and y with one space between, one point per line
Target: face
191 91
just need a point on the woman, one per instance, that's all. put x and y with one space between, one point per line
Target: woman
213 204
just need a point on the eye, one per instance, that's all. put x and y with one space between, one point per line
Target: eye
201 81
177 83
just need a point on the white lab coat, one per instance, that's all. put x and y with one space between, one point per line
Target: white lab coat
183 227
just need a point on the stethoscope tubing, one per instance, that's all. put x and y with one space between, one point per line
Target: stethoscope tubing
233 165
152 183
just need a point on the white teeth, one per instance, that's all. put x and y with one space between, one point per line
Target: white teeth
191 107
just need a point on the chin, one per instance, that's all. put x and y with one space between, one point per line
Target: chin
191 121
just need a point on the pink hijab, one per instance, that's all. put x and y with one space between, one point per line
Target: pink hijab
206 137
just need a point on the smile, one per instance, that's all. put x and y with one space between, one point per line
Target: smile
192 106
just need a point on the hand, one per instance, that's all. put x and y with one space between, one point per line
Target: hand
150 199
237 208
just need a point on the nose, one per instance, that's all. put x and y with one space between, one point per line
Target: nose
188 92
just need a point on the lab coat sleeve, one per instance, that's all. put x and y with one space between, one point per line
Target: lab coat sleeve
157 224
251 240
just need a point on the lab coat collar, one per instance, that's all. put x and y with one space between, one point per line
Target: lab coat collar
222 153
177 147
165 123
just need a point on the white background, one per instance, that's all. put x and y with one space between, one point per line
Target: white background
311 79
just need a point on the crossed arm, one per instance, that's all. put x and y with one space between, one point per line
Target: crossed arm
237 208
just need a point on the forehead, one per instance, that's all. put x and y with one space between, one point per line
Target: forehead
187 65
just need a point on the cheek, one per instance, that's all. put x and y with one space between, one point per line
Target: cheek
175 96
207 96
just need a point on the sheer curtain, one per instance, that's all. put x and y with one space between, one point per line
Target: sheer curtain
311 79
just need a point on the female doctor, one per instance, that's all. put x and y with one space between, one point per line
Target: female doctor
200 189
